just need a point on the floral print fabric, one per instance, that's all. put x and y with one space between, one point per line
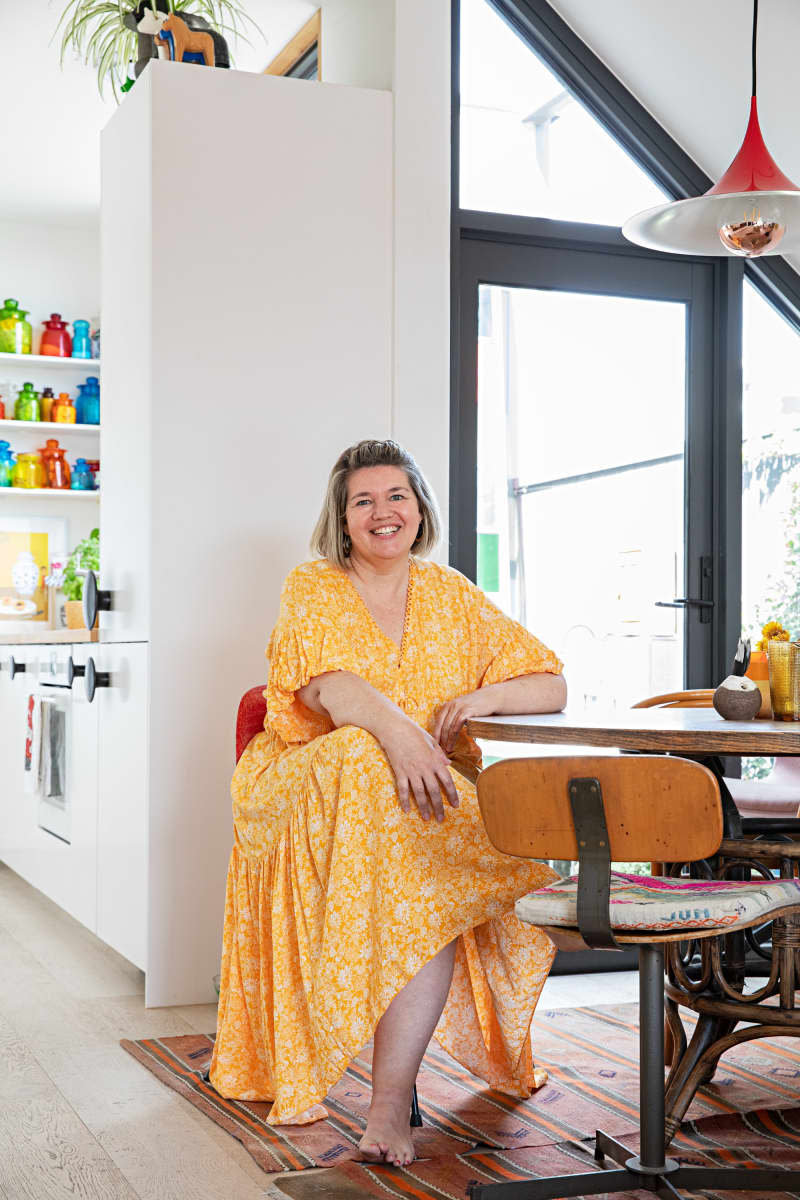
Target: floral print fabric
335 896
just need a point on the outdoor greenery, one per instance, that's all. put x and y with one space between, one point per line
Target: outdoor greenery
85 557
95 31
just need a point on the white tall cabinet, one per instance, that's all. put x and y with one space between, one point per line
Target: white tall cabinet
247 339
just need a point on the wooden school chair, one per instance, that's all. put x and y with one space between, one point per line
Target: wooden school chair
600 810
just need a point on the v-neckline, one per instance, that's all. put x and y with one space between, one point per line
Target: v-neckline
401 646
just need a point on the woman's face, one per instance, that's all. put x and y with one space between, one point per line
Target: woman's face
382 514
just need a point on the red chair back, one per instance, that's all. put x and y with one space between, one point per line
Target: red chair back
250 717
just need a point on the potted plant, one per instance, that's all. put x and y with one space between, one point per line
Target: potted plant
85 557
106 33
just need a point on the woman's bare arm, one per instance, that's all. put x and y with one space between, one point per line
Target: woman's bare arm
538 693
419 763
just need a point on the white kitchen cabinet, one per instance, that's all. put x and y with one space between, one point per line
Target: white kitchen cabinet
244 346
122 708
17 811
52 846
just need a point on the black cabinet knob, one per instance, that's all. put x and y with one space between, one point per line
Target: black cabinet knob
15 668
94 679
73 672
95 600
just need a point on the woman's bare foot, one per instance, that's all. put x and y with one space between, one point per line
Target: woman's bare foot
387 1137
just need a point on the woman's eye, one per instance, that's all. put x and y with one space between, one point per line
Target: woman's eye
397 496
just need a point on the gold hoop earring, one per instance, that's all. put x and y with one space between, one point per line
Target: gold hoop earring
347 544
419 534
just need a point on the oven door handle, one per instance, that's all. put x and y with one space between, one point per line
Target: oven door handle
94 679
73 671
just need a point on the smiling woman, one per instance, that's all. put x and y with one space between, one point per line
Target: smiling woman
363 894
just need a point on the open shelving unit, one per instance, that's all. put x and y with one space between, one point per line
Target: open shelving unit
48 360
52 493
52 427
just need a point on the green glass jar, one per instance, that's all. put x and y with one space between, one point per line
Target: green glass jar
27 407
15 330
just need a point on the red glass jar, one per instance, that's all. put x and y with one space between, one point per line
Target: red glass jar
56 340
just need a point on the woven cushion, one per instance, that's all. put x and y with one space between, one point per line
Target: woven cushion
641 902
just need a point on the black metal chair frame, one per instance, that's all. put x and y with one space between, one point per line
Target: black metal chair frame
650 1170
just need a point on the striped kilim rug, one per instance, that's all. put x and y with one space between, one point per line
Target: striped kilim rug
751 1111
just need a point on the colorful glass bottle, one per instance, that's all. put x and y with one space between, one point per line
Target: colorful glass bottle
82 479
89 401
47 400
12 329
29 471
27 331
6 464
81 342
27 407
56 465
56 340
63 410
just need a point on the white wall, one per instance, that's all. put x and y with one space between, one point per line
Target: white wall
50 268
421 400
357 42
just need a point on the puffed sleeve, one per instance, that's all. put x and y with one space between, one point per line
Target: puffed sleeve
506 648
304 643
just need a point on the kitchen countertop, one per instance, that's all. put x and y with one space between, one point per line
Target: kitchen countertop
46 637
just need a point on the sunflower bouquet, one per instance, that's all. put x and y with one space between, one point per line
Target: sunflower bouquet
773 631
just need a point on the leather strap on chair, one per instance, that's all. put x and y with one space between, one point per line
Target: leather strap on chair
594 863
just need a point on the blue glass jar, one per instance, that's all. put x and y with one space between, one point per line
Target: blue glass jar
82 477
6 464
81 341
88 401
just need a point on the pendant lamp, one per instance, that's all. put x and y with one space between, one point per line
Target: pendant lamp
753 210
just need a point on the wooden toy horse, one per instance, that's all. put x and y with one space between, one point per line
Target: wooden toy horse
184 44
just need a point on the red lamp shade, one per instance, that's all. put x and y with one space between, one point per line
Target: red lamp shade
754 209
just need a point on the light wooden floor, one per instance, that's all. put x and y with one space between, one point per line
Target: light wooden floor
82 1120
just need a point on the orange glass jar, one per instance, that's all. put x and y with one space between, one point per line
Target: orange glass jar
56 465
63 410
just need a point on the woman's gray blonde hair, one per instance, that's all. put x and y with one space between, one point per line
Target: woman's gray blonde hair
330 539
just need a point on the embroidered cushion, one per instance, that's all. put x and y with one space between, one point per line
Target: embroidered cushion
641 902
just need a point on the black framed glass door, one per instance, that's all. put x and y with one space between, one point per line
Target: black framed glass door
589 427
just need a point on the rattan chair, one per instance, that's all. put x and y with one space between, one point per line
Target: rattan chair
777 796
599 810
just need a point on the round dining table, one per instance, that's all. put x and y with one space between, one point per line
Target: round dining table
713 978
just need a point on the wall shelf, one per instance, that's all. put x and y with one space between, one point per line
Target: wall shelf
53 493
49 360
52 427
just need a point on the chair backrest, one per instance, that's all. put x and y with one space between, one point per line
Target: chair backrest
696 698
250 717
667 809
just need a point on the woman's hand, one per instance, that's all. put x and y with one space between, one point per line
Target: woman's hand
451 716
539 692
420 767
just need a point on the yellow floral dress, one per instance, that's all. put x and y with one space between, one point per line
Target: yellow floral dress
335 896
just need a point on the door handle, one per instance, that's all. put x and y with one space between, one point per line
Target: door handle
95 600
73 672
684 603
15 668
94 679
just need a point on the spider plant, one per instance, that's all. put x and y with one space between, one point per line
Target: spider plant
95 30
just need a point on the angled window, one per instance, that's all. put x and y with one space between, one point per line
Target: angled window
528 145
